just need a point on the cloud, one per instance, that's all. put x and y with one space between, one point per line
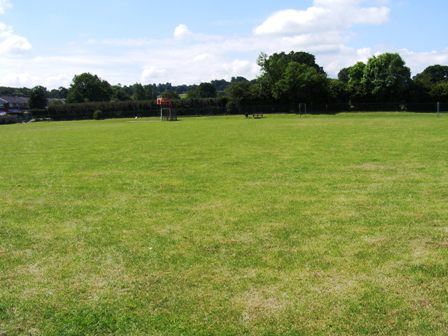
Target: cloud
4 6
323 16
150 72
418 61
181 31
187 57
10 43
321 29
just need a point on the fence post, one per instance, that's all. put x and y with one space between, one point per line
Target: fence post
438 109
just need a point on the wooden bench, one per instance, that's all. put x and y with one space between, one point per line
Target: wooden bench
255 115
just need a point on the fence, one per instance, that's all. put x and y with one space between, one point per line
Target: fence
214 107
130 109
335 108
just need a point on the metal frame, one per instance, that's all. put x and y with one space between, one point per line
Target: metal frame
170 116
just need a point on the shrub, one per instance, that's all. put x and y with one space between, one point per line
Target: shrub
233 107
98 115
7 119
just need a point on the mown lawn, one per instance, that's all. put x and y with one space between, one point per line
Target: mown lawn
225 226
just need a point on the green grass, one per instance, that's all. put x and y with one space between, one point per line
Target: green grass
225 226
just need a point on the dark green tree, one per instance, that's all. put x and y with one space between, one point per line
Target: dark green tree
300 83
38 98
63 92
355 85
203 90
207 90
193 92
138 92
386 77
439 91
60 93
337 91
239 93
427 85
238 79
343 75
120 93
89 88
293 77
432 75
274 66
220 85
169 94
150 92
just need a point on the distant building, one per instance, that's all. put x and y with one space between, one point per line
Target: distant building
15 104
14 110
3 105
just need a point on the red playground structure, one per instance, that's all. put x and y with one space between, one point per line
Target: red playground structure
166 109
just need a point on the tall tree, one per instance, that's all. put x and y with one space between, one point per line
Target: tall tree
203 90
207 90
439 91
294 76
432 75
88 88
150 92
170 94
119 93
428 85
386 77
354 78
63 92
300 83
343 75
138 92
274 65
220 84
38 98
337 91
239 92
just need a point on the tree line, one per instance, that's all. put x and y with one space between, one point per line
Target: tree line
286 78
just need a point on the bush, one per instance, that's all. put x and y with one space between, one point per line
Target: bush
7 119
233 107
38 113
98 115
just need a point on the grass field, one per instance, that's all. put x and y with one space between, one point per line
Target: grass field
225 226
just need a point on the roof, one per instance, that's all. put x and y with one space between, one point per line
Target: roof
13 100
3 101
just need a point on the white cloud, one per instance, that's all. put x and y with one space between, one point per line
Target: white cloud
202 57
323 16
418 61
10 43
238 67
21 79
152 73
181 31
323 29
4 5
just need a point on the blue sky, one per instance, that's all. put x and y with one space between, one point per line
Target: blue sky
47 42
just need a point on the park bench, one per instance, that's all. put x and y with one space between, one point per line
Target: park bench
255 115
